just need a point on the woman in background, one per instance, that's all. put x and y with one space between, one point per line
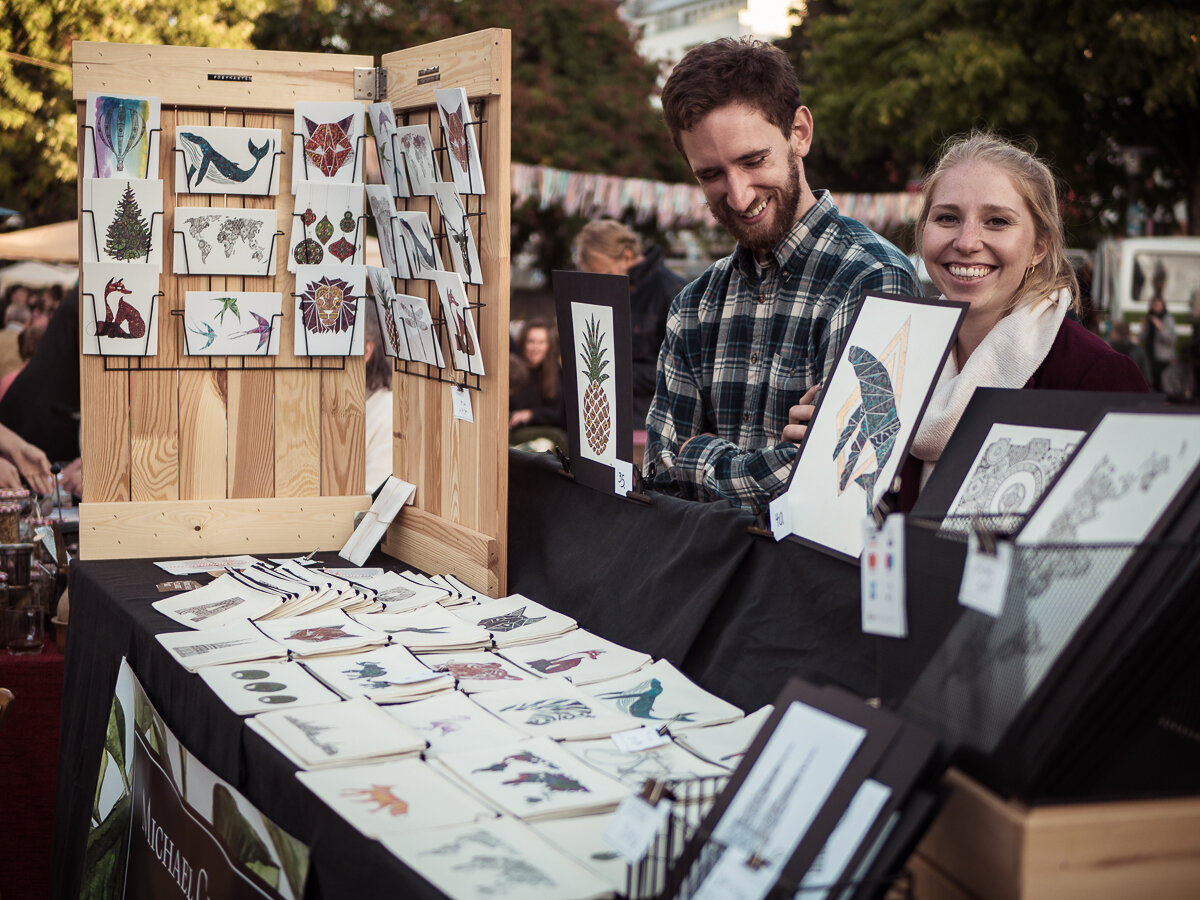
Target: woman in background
536 405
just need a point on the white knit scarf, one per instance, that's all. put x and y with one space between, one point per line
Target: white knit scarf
1007 357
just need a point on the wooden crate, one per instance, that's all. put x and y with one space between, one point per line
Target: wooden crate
193 455
984 847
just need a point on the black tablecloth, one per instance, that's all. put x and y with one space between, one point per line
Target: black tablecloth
684 581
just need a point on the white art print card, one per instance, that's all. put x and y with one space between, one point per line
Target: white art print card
458 231
387 148
412 314
462 142
217 159
220 323
416 145
726 744
212 241
391 251
460 323
413 233
517 620
331 631
120 309
429 629
327 226
499 858
582 839
535 779
399 593
867 415
384 675
1012 470
327 142
661 695
400 796
395 342
121 135
251 688
126 221
595 398
578 656
328 301
452 722
555 708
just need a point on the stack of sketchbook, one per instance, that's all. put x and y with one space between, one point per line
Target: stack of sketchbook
336 734
516 620
322 634
430 629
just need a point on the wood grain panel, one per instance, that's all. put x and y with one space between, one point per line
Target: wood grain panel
434 544
477 62
183 75
203 398
198 527
343 430
297 433
251 434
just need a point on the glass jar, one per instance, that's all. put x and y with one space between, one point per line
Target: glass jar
4 607
10 522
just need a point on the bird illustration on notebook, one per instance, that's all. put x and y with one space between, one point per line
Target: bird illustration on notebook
639 702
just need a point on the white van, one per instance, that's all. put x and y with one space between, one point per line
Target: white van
1124 276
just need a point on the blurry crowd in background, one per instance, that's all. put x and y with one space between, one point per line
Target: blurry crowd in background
25 312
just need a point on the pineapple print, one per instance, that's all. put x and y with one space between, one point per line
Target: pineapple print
596 425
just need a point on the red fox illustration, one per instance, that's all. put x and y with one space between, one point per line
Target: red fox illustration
112 326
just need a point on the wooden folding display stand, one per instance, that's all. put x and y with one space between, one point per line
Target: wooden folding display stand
187 455
983 847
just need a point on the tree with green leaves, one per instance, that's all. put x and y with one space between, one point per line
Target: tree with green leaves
888 82
128 235
37 113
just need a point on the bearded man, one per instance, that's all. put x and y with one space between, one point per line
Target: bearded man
749 341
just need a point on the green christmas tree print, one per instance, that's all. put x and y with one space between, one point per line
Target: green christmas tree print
128 234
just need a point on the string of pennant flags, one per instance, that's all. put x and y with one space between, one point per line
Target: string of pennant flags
674 205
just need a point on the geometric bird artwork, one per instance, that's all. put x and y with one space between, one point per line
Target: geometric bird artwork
327 140
328 301
126 220
461 140
120 309
464 342
327 227
867 411
873 418
415 144
214 159
231 323
391 161
118 135
235 241
457 226
413 237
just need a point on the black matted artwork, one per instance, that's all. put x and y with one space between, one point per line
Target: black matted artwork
597 356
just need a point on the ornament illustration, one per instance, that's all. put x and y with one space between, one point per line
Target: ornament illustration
308 252
328 145
128 235
204 160
382 796
342 249
347 223
308 217
113 326
328 304
121 126
597 416
324 230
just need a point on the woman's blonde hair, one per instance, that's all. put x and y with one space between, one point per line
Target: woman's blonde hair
605 237
1035 183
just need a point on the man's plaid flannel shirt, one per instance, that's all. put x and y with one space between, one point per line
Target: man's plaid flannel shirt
743 345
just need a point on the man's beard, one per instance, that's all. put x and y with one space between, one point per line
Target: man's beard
785 201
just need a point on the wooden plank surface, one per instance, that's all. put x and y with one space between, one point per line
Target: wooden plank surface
477 62
184 75
343 431
434 544
190 528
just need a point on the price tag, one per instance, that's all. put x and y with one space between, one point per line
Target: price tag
644 738
462 403
634 826
882 576
780 512
622 477
985 576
